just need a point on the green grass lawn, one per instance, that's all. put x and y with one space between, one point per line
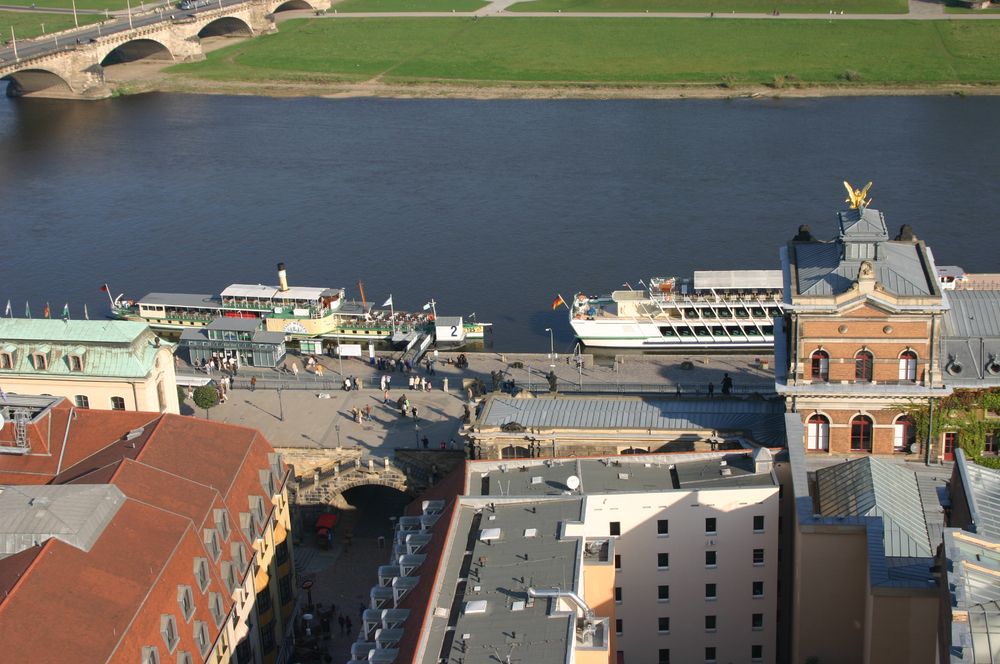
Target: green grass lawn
614 51
29 24
718 6
407 6
68 4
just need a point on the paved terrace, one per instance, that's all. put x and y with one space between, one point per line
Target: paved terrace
300 415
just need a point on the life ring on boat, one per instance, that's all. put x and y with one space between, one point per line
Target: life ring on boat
578 317
430 318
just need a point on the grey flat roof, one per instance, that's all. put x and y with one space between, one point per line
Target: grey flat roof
181 300
74 513
614 474
822 271
973 314
870 486
738 279
500 574
973 569
564 412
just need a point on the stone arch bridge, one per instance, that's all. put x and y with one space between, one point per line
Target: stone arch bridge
408 471
71 64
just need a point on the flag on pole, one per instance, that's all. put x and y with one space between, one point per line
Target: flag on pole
105 289
427 306
388 303
66 311
47 312
7 312
559 302
86 316
27 309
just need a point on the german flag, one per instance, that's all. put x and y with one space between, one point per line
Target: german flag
558 302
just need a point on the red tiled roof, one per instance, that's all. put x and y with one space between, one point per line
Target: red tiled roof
13 567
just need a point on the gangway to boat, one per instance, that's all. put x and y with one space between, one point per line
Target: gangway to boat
417 347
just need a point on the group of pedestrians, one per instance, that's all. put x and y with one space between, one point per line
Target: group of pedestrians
420 383
360 415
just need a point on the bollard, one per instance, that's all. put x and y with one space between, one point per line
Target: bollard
336 468
316 476
385 462
371 465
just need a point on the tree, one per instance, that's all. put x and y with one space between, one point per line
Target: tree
206 397
181 394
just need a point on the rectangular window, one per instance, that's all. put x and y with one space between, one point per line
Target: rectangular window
663 593
117 403
710 559
758 557
662 527
710 526
663 624
285 589
709 654
618 594
41 362
664 656
758 588
82 401
75 363
618 626
710 623
710 591
267 637
616 528
756 653
662 560
758 524
757 621
6 361
263 601
281 552
618 561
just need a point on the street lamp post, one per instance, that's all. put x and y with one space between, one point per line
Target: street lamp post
75 19
337 428
552 347
416 431
281 407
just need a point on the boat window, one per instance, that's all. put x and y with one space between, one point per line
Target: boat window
734 329
768 329
718 330
667 332
725 313
757 311
701 331
686 332
691 313
741 313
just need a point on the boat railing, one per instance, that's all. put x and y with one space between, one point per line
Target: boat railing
677 389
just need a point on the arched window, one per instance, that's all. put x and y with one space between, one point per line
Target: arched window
908 365
863 363
117 403
861 433
904 434
817 432
820 366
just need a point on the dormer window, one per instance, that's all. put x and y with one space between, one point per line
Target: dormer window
217 607
75 363
40 360
168 629
211 539
267 482
6 359
239 557
201 573
222 523
185 599
150 655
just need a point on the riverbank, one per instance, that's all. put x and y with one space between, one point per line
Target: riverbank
587 58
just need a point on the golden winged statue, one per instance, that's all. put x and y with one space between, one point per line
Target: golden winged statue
856 197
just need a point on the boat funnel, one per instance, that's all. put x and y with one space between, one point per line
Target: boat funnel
282 279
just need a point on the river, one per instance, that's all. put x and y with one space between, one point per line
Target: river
490 207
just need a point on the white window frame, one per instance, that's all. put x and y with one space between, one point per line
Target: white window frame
168 628
185 593
150 655
818 434
908 366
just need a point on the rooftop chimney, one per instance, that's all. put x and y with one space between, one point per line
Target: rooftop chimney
282 279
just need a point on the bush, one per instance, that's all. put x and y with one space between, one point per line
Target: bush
777 82
181 394
206 397
728 82
850 75
988 461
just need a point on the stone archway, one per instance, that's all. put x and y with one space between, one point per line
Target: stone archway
28 81
137 49
293 5
226 26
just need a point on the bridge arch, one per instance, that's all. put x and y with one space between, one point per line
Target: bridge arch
226 26
293 5
28 81
137 49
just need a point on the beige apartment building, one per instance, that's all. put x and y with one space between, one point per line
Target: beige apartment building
640 559
99 364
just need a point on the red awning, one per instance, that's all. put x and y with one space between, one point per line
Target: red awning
326 521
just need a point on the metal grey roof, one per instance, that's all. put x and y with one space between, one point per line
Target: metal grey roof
982 492
822 271
181 300
500 574
615 474
76 514
563 412
862 225
973 314
872 487
974 583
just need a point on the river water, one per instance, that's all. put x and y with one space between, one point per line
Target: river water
490 207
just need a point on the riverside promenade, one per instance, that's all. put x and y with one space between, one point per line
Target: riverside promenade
312 411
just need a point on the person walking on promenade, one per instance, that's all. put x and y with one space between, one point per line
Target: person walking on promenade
385 397
349 625
414 411
727 384
711 389
340 621
425 442
253 383
410 382
368 412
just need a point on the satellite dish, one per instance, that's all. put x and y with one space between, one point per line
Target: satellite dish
573 482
